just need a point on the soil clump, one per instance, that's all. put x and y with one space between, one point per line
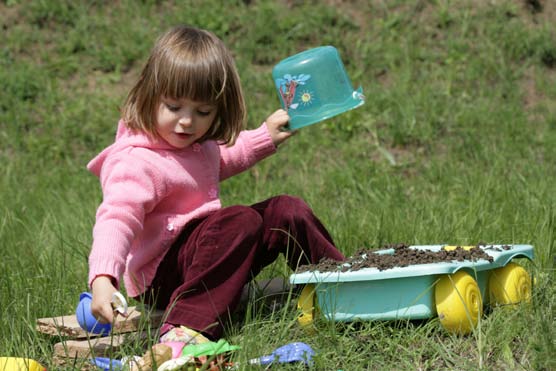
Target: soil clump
403 256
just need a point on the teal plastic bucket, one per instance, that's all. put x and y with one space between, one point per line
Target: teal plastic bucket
313 86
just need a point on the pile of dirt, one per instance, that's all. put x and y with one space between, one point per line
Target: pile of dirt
403 256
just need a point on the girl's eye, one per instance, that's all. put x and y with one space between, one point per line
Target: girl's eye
204 113
172 107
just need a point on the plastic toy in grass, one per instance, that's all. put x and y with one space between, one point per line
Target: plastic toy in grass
206 356
313 86
452 283
20 364
289 353
88 322
107 364
210 355
210 348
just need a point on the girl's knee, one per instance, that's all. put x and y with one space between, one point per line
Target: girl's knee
243 217
290 202
291 207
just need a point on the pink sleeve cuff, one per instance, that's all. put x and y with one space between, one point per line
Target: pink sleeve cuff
262 143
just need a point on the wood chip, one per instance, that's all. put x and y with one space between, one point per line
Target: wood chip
67 326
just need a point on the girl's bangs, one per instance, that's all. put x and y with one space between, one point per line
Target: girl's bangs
201 82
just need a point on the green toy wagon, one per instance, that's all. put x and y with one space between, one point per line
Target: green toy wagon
455 291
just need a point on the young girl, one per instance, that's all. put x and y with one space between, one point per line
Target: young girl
161 223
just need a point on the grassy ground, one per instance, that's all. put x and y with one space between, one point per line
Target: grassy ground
455 144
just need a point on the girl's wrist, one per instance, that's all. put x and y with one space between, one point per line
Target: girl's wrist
104 277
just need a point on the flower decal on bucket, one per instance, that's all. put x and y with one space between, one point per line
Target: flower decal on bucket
287 87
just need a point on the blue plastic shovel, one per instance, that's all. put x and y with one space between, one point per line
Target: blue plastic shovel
107 364
292 352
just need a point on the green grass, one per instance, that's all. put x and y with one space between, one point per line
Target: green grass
456 144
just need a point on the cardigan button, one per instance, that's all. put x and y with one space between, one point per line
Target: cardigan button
170 227
213 192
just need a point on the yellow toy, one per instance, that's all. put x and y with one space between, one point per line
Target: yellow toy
20 364
454 291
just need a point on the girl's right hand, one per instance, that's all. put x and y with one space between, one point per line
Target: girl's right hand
276 125
101 306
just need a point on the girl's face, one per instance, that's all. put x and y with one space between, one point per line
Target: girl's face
183 122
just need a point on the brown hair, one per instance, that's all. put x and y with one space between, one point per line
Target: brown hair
192 63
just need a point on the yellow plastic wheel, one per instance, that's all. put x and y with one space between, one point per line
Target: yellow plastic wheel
458 302
306 304
509 285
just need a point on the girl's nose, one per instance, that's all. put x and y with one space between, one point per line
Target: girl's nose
185 120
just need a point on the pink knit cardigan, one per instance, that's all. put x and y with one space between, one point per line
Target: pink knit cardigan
151 190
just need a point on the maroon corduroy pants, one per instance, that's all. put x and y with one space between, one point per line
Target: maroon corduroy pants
202 276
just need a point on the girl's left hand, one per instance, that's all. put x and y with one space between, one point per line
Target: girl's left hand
276 124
